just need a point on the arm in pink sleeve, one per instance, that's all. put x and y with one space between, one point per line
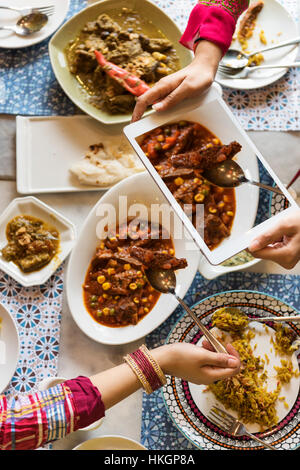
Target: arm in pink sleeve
30 421
214 21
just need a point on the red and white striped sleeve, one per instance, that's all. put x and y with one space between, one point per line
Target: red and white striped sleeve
30 421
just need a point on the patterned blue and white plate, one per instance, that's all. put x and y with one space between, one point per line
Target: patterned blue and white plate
187 405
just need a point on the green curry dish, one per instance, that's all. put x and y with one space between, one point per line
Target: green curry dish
239 259
32 243
230 319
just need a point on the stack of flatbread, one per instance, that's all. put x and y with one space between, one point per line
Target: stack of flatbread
107 163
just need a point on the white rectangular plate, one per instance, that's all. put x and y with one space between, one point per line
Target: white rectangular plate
48 146
211 111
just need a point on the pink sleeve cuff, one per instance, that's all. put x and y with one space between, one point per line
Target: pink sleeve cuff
212 23
89 406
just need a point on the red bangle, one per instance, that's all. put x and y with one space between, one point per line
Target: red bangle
146 368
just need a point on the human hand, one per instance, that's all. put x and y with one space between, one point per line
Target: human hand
197 364
281 243
189 82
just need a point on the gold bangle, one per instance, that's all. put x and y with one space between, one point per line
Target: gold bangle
146 369
154 364
132 364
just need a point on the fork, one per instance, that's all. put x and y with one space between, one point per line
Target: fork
47 10
231 425
231 72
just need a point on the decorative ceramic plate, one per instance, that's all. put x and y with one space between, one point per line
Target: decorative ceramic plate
189 404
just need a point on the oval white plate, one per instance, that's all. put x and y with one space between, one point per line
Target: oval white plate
110 443
30 205
9 348
138 189
10 40
273 19
188 405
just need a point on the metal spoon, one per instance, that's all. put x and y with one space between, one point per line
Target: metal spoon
28 24
164 281
229 174
238 59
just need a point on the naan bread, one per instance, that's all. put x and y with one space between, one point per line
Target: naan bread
107 163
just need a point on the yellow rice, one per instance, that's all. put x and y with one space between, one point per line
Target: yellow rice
246 393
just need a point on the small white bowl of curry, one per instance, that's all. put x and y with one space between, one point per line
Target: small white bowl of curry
34 240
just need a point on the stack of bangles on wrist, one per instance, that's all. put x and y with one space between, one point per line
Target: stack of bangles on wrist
146 369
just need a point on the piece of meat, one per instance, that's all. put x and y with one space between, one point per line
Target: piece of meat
127 310
84 62
206 158
143 65
105 23
124 51
155 45
169 173
248 21
183 140
186 191
215 229
157 259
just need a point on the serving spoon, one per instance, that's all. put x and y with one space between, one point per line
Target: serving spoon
164 281
238 59
28 24
229 174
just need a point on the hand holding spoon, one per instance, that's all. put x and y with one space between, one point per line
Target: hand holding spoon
164 281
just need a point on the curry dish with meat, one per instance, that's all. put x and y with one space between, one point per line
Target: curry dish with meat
116 291
180 152
32 243
127 40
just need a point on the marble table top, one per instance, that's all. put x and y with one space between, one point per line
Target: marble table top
282 152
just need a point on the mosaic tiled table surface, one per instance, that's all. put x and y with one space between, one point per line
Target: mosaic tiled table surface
28 85
158 430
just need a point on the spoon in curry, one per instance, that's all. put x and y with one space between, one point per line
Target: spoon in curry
164 281
28 24
229 174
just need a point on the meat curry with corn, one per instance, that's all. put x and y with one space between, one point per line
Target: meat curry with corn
180 152
116 290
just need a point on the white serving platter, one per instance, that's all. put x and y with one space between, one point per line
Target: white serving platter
278 26
211 111
10 40
48 146
32 206
9 347
139 189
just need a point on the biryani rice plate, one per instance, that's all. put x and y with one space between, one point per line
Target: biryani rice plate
247 392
